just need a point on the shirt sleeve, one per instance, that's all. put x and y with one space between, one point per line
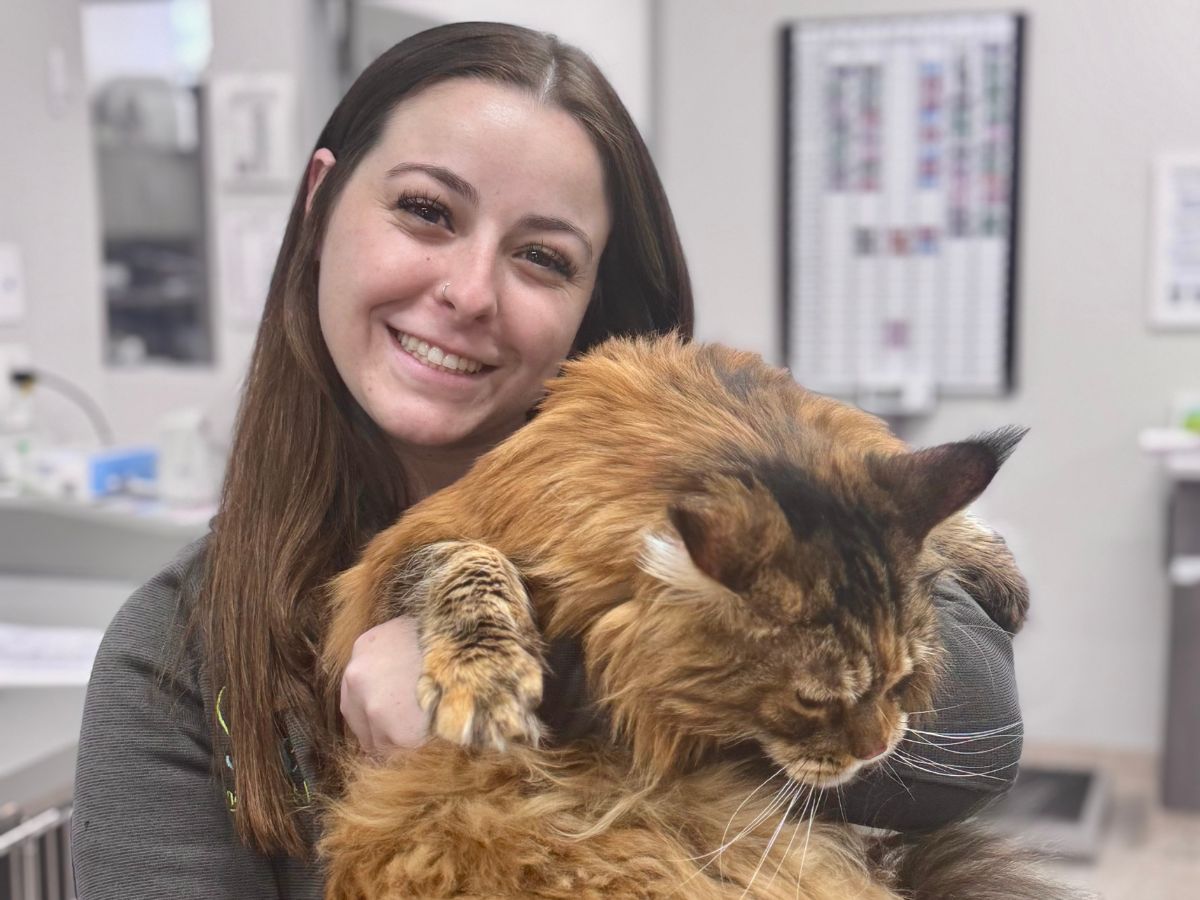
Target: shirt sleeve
969 752
150 817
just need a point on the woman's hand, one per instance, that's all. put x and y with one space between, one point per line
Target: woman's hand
379 688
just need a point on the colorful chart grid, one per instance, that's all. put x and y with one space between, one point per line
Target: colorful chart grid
901 174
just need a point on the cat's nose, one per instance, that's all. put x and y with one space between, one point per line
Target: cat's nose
873 753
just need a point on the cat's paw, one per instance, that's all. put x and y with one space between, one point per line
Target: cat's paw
1010 604
1000 589
979 559
485 701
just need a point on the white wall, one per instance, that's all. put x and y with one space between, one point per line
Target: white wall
617 34
1109 84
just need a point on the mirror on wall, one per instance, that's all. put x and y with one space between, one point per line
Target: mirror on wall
144 63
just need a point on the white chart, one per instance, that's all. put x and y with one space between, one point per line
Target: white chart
902 185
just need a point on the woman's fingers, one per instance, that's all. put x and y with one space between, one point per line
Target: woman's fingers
379 688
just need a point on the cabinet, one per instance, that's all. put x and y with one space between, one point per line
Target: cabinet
1181 742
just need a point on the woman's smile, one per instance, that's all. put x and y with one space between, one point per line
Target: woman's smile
437 357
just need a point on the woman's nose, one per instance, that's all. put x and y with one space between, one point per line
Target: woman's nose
469 289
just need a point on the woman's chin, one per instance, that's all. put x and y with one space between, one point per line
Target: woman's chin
444 433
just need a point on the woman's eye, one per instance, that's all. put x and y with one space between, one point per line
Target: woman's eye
424 208
545 258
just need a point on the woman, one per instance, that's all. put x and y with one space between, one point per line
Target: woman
478 207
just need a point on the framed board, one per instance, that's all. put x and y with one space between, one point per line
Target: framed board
1175 244
901 182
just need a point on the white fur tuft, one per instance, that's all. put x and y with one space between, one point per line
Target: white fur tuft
665 558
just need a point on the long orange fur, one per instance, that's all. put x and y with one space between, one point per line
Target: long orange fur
572 500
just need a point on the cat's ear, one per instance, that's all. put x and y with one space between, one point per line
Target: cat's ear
708 541
931 485
730 531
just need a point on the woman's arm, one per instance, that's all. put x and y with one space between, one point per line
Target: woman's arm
969 752
150 819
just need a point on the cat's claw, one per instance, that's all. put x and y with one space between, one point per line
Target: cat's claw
483 705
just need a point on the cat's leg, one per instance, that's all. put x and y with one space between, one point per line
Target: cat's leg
481 678
981 561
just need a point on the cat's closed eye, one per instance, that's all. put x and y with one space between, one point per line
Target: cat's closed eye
808 704
898 689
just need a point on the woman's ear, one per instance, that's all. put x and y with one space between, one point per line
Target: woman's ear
318 167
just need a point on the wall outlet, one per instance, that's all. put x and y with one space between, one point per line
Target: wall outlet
16 407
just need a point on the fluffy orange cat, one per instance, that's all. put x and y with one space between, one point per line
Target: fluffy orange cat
746 564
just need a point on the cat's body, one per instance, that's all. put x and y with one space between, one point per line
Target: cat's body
746 563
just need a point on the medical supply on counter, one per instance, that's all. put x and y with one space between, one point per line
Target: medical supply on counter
89 475
189 468
29 379
15 450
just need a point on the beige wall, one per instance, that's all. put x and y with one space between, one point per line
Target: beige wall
1109 84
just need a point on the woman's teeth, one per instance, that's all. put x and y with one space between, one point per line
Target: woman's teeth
436 356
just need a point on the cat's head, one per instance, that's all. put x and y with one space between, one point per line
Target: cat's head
791 609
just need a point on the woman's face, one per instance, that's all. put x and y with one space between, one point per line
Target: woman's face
458 261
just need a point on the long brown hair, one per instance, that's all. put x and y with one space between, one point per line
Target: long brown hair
310 477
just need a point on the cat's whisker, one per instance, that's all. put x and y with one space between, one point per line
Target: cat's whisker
945 770
777 801
804 853
787 851
987 740
774 837
891 772
966 745
811 813
841 806
947 748
952 771
936 709
979 647
913 753
999 729
992 626
749 797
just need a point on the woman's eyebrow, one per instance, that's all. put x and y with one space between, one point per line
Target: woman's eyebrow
551 223
442 174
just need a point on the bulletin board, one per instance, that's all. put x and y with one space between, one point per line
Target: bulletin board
900 174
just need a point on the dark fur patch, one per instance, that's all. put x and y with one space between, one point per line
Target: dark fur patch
814 513
742 383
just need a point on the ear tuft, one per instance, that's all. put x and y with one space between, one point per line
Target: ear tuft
730 529
1001 442
931 485
665 558
699 529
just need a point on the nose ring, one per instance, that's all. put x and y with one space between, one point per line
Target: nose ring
445 287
